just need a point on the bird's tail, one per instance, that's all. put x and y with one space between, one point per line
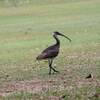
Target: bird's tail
38 58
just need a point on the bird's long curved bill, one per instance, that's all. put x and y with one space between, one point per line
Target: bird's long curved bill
65 37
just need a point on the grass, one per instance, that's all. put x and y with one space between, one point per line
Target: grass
25 32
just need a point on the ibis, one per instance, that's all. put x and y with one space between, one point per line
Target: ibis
52 51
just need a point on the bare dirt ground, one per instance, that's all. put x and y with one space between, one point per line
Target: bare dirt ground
37 85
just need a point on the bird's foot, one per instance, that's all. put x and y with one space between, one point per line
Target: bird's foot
56 72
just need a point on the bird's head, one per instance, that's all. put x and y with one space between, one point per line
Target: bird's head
58 33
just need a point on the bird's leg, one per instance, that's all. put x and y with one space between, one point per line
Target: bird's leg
50 65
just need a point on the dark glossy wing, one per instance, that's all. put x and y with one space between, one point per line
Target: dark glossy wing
48 53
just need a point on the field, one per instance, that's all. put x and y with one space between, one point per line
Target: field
25 30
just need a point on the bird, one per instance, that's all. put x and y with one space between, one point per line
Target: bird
52 51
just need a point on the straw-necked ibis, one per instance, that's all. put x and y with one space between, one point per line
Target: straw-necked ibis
51 52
